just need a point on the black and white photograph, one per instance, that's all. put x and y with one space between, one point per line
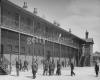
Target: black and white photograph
49 39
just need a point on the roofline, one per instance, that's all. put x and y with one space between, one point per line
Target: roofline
89 42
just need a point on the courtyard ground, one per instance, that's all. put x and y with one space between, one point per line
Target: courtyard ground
82 73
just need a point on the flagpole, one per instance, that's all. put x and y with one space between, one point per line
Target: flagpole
19 43
0 44
0 34
44 48
53 48
60 51
44 42
10 55
33 48
59 45
33 40
10 59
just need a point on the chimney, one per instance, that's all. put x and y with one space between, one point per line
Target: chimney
54 22
58 24
86 34
35 11
25 5
69 30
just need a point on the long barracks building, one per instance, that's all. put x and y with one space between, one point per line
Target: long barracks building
23 35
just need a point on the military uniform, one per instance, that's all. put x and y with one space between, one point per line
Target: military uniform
20 65
72 68
17 68
45 67
96 69
52 68
34 69
25 65
58 72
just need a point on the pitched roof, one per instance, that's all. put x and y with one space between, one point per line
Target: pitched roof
96 54
89 40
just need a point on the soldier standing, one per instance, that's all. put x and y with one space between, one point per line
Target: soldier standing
34 68
17 67
52 67
45 67
58 72
20 65
25 65
96 69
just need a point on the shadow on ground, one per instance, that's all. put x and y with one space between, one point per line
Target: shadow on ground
29 77
14 75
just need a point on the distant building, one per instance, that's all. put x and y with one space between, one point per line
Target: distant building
95 58
87 50
24 35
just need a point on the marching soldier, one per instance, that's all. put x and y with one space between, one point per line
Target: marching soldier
20 64
72 68
96 69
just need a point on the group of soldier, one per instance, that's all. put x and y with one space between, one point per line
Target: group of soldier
48 67
20 67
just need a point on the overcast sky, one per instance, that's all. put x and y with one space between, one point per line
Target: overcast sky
79 15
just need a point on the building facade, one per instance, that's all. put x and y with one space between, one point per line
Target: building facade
86 58
95 58
24 35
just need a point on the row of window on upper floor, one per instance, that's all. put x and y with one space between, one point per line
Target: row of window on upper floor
26 23
11 18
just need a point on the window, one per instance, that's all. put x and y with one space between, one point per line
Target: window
9 48
29 50
23 50
39 53
29 21
16 48
16 19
